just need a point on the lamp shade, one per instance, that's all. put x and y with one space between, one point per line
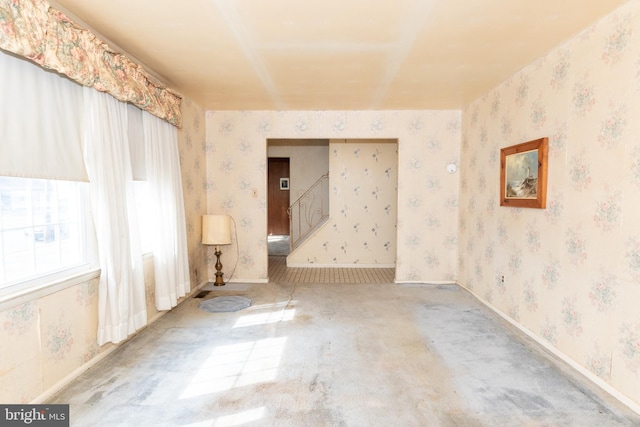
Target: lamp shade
216 229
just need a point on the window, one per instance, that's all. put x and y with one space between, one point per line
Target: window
42 228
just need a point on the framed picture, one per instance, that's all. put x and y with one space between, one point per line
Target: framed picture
284 184
523 174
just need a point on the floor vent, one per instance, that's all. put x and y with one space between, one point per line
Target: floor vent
202 294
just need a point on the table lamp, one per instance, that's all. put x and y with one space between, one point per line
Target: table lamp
216 230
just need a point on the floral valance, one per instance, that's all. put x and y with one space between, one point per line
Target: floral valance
34 30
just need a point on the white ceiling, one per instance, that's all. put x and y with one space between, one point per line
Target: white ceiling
335 54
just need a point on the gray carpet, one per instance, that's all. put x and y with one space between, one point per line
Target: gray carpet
278 245
225 304
336 355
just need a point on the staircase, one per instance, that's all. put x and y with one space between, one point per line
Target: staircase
309 212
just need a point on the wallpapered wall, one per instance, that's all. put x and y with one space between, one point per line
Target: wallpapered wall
427 206
48 339
363 196
43 340
572 271
192 145
309 160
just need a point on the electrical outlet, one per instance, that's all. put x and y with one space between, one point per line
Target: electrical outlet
502 279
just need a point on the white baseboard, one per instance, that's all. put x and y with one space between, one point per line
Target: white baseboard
48 394
430 282
197 288
635 407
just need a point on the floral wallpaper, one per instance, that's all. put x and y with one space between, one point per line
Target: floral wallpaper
20 367
363 179
426 209
192 146
43 340
571 271
309 160
48 338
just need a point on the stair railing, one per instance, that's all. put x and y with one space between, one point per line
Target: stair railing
309 211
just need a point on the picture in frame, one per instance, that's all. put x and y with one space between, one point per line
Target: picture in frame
284 184
523 174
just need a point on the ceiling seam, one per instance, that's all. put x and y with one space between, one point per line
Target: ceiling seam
329 47
245 42
408 36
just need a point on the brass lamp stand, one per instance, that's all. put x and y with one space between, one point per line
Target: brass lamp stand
216 230
219 281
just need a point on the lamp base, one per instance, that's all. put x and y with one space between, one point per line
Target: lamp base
219 274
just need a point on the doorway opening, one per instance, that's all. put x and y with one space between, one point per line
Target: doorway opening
360 231
278 194
293 166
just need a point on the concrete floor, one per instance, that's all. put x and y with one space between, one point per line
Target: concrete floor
337 355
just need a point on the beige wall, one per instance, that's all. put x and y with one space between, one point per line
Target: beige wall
572 270
193 146
309 160
427 202
50 339
361 230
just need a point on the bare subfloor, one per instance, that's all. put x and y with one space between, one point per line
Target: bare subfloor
337 355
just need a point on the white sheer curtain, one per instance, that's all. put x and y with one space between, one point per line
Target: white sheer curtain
168 222
122 307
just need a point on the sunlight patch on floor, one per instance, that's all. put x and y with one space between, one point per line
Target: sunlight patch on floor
275 305
240 418
265 318
237 365
277 312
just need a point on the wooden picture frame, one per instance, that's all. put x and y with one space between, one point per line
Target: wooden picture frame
523 174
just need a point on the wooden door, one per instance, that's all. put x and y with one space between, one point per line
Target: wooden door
278 196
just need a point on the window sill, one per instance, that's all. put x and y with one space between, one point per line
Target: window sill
20 296
11 298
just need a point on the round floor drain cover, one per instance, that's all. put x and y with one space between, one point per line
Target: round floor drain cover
228 303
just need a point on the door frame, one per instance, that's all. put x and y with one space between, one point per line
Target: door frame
286 160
